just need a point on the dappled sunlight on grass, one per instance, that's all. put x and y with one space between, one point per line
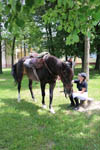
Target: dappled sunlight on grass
2 80
24 113
26 126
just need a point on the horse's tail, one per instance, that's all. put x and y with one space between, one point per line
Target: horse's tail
17 71
14 72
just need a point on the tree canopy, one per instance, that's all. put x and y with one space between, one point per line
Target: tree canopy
53 25
71 16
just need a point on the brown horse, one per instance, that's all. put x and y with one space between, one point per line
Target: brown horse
45 70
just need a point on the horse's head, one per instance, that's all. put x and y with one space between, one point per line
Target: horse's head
66 77
69 63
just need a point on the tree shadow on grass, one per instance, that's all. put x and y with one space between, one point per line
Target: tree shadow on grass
9 84
23 127
65 107
29 107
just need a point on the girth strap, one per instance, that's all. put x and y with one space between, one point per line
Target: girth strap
35 73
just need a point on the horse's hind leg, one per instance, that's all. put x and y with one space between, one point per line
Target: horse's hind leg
19 87
43 95
51 88
30 87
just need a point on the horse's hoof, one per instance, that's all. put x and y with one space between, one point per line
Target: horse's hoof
52 111
18 100
35 100
44 106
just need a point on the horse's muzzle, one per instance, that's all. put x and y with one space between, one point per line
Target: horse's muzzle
67 92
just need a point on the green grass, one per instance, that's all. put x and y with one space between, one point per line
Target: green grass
26 126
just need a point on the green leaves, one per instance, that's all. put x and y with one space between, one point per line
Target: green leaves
13 4
1 6
70 3
60 27
72 38
20 22
74 17
66 3
59 3
96 15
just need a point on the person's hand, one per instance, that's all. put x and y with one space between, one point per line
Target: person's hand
75 91
81 92
58 78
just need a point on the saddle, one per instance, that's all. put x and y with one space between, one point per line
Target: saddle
35 62
36 55
38 61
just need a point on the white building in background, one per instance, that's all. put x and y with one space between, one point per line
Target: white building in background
3 59
6 60
19 53
6 57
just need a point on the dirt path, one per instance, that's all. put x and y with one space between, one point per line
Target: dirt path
95 105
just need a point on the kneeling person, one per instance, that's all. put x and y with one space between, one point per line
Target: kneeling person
82 92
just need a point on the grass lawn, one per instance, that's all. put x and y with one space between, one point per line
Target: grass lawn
26 126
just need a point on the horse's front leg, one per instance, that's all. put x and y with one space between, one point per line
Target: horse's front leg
51 88
43 95
30 87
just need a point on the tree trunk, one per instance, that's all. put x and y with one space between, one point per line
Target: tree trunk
0 52
48 45
97 65
5 53
13 47
66 57
82 62
21 51
86 56
51 40
0 58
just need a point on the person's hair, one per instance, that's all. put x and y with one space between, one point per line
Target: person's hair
84 78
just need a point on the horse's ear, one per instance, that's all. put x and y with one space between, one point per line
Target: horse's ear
69 64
